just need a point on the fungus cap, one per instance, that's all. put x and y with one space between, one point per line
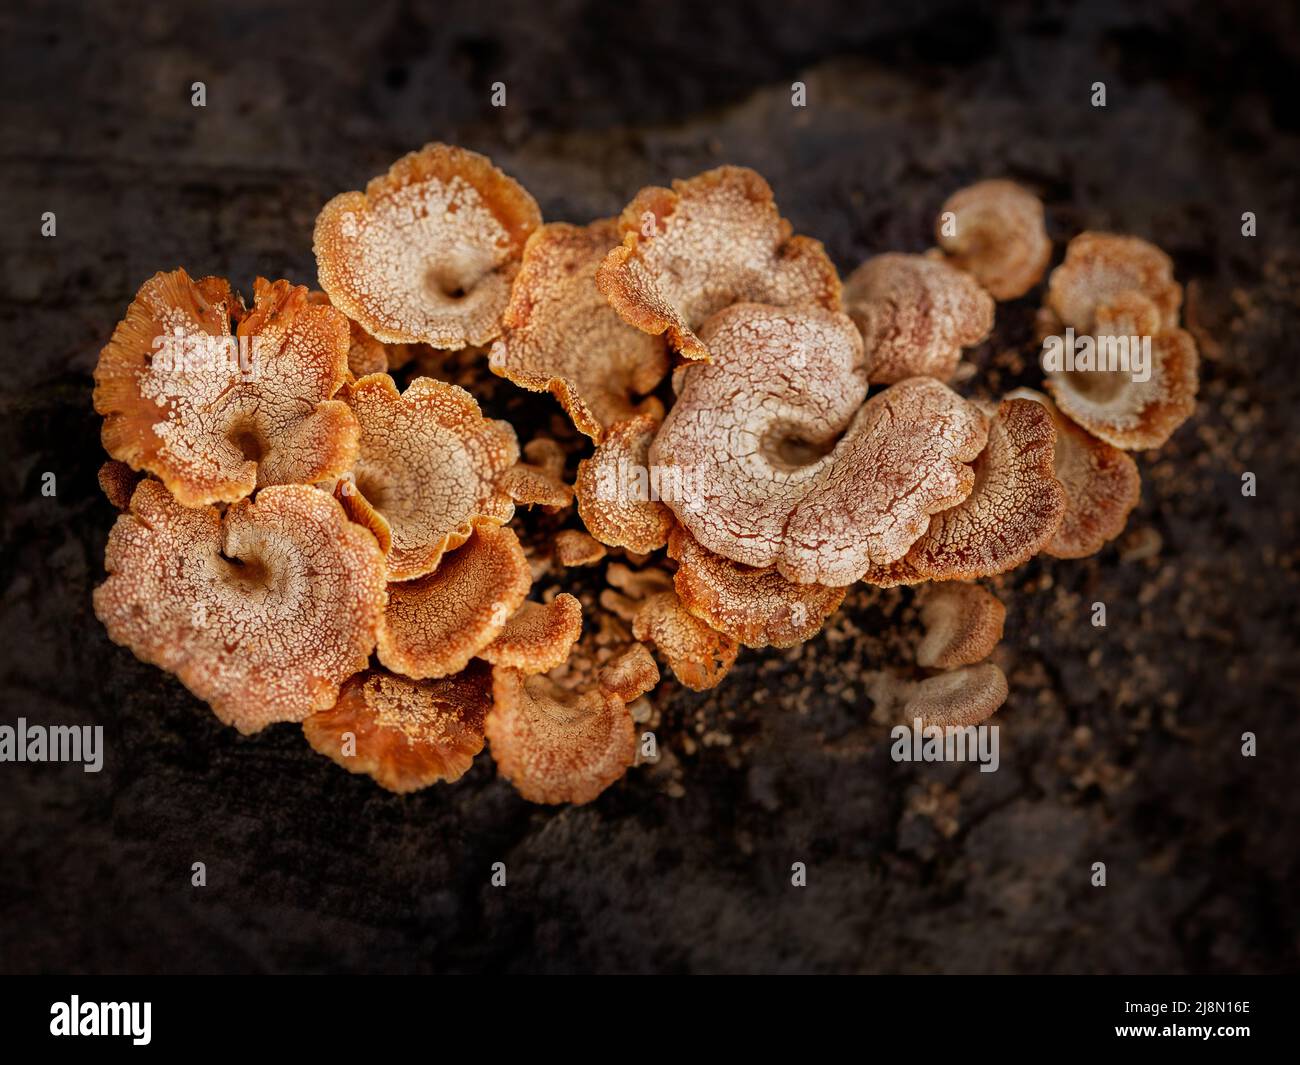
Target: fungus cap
963 623
538 636
427 253
434 625
214 414
698 654
427 471
405 734
573 547
1001 237
262 612
757 607
540 480
117 481
562 336
958 697
787 466
708 242
915 315
1098 267
619 491
557 746
1102 486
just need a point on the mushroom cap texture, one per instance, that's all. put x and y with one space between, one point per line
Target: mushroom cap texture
616 497
1014 509
1001 236
698 654
406 734
117 481
538 636
1102 486
563 337
428 470
427 253
964 696
1101 266
785 464
573 547
557 746
435 624
182 401
915 315
262 612
757 607
963 623
706 243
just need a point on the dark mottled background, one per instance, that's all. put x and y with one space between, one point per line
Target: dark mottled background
1118 744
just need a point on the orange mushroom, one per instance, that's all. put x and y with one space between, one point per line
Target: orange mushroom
562 337
215 415
427 253
573 547
262 612
915 315
963 623
619 492
538 637
405 734
997 234
709 242
540 480
117 481
698 654
1098 267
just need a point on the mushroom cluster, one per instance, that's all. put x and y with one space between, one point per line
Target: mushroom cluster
319 523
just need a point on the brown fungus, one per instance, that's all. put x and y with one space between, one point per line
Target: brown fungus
434 625
757 607
781 462
698 654
1098 267
540 480
1102 486
963 623
915 315
538 637
995 231
262 612
709 242
215 414
619 492
558 746
427 471
562 336
405 734
1012 512
117 481
427 253
959 697
573 547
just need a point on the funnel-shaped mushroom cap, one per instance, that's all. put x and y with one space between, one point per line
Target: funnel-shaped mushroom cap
758 607
705 244
698 655
214 415
427 253
1014 509
786 465
963 623
405 734
427 472
1099 267
538 637
434 625
1102 486
557 746
563 337
1000 236
915 315
262 613
620 495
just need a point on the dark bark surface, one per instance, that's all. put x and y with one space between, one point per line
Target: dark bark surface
1120 744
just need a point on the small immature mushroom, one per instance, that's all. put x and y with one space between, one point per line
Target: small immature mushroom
559 746
428 470
758 607
958 697
784 465
1102 486
1015 507
1098 267
619 491
405 734
215 415
562 336
1001 237
117 481
573 547
427 253
538 637
262 612
963 623
698 655
915 315
434 625
540 480
709 242
1111 404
